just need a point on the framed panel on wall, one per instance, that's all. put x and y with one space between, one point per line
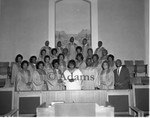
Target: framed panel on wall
73 19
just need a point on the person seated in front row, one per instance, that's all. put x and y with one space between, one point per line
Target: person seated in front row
106 77
72 77
85 47
16 67
90 76
32 64
42 55
53 54
59 47
47 48
121 74
24 78
89 53
80 64
111 62
39 77
56 82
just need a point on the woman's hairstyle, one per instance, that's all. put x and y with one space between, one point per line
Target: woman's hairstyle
79 47
89 50
19 55
58 42
54 49
104 51
87 60
72 62
64 50
103 64
111 56
95 56
42 51
24 62
46 57
54 62
61 54
79 55
31 58
38 63
72 38
84 39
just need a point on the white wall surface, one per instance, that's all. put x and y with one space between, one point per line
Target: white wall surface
121 27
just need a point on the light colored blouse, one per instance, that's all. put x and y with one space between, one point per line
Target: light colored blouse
91 78
81 65
23 77
85 48
15 69
76 75
107 80
72 50
52 79
38 81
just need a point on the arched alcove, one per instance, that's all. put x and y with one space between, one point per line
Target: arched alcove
93 21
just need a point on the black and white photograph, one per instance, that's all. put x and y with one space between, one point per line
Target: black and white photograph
74 58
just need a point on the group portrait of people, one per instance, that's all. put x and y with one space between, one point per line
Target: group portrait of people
71 67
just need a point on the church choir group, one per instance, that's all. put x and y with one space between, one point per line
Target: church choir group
71 68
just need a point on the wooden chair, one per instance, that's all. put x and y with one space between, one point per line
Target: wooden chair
131 67
141 99
121 100
4 72
7 102
27 103
140 68
128 62
139 62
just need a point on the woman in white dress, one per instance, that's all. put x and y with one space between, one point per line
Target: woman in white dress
24 78
72 77
106 77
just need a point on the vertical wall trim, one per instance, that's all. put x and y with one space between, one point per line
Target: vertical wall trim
51 27
146 17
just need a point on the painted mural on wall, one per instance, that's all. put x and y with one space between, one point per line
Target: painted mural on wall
72 20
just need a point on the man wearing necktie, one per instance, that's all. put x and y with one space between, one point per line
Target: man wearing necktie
121 74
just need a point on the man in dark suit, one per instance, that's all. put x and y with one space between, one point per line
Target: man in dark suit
121 75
